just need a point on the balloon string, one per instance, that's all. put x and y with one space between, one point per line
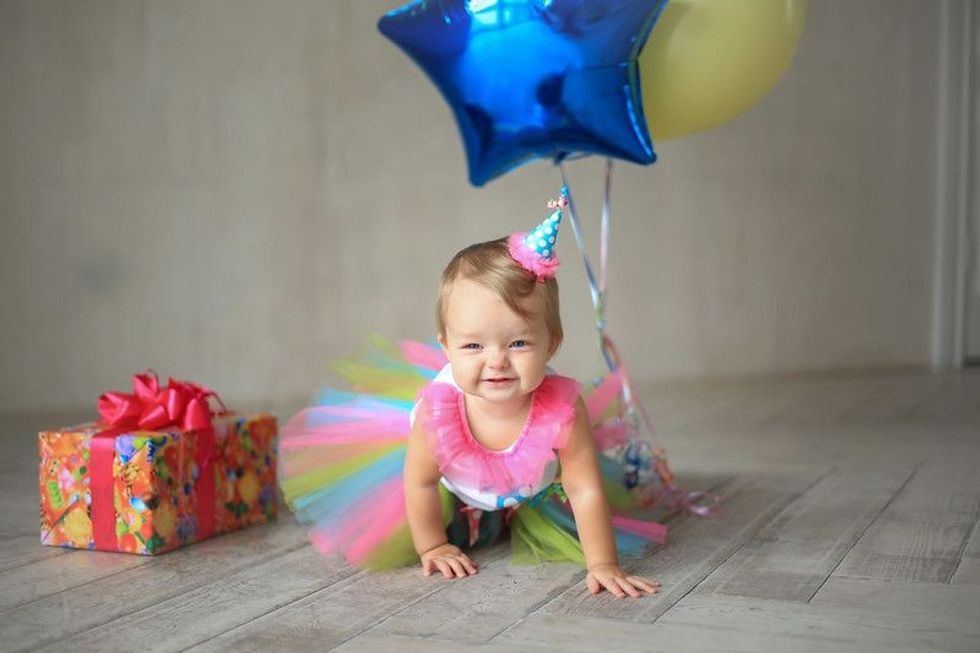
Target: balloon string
597 300
610 352
579 240
604 234
698 503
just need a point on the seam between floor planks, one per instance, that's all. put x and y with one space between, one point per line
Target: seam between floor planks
261 534
40 645
384 619
177 602
915 470
963 549
775 513
563 577
548 597
921 536
17 606
962 568
499 557
761 519
789 558
284 606
356 577
28 552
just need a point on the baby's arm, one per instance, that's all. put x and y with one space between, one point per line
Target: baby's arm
582 481
424 508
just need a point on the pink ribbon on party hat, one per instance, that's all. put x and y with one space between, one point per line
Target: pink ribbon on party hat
182 405
559 203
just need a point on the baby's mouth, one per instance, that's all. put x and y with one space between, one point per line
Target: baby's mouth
498 381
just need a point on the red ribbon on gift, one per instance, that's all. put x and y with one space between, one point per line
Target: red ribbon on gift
181 404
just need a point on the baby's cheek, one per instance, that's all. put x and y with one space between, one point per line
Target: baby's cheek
535 377
465 374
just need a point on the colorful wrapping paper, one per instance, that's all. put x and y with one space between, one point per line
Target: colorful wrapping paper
156 485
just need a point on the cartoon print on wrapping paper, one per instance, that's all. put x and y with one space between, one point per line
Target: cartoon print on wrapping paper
173 519
259 442
133 495
155 493
244 466
171 464
65 497
235 466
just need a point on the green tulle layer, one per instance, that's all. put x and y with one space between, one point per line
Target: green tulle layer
535 538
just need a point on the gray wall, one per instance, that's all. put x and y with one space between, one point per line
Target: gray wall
238 192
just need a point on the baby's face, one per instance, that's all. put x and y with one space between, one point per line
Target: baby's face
495 354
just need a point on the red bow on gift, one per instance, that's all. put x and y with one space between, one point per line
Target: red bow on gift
181 403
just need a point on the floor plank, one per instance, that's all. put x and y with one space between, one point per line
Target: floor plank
696 547
22 550
483 606
850 615
582 634
28 583
955 400
792 556
935 605
337 613
968 571
909 581
374 642
20 508
194 616
924 531
478 608
156 579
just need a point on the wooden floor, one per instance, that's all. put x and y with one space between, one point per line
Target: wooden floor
849 523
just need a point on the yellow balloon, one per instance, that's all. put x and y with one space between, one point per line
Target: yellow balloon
707 61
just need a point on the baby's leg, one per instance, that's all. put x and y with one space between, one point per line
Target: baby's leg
469 531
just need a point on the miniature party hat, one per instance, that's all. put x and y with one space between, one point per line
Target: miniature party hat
535 250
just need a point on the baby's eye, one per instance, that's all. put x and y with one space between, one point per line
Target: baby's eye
471 345
519 344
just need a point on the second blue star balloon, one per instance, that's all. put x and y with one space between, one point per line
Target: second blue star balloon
527 79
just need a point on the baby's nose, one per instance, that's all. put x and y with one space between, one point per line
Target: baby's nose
498 359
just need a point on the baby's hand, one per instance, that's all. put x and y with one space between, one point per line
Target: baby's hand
448 559
614 579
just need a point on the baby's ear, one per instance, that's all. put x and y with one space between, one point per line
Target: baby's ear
441 339
553 348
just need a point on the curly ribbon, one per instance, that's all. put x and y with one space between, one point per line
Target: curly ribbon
182 405
696 502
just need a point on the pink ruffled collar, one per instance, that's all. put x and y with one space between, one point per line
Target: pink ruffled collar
463 460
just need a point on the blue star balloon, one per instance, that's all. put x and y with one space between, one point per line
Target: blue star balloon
534 78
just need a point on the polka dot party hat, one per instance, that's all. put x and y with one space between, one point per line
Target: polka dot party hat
535 250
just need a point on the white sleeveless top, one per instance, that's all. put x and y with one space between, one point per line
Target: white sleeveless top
472 496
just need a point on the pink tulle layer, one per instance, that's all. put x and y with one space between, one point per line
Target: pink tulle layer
369 524
422 354
464 460
649 530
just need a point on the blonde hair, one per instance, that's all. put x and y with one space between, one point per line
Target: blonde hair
491 265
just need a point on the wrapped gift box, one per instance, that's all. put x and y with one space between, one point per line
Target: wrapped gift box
160 501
